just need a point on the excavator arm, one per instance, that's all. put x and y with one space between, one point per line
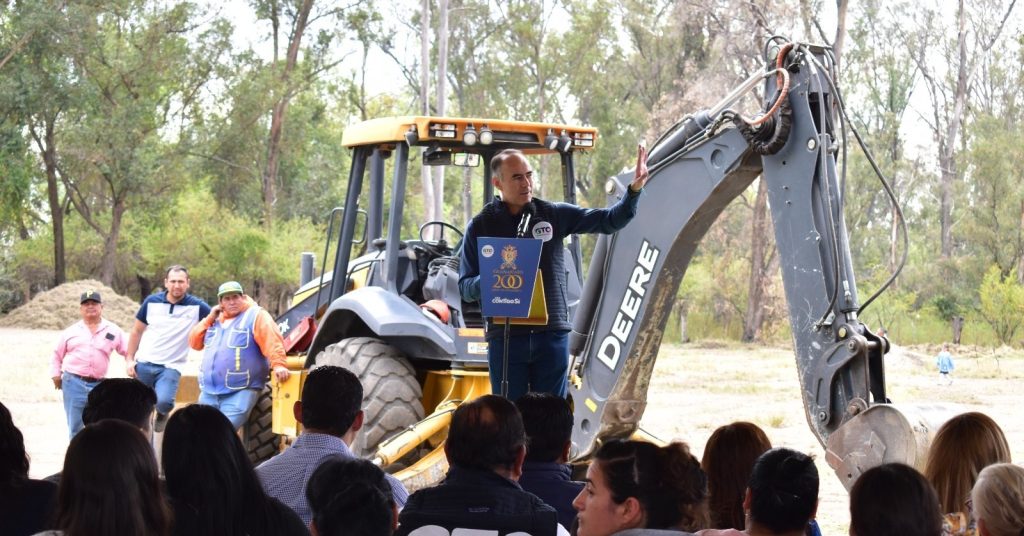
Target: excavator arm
634 276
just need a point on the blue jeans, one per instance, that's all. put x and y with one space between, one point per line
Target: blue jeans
163 380
536 362
235 406
76 393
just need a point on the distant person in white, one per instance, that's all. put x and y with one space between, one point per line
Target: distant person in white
158 345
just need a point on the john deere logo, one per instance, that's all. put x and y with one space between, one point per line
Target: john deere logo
508 257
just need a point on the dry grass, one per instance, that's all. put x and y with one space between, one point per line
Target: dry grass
58 307
695 389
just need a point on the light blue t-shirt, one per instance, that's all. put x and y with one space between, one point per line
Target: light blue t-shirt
945 362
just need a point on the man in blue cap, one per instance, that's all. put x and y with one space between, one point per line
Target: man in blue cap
241 344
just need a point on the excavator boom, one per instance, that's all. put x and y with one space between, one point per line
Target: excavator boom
634 276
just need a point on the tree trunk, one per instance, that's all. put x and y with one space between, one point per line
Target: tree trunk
145 286
108 265
893 238
753 318
442 103
428 183
838 42
1020 254
48 149
682 308
278 115
947 146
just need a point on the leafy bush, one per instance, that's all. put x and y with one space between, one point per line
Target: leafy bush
946 307
1002 301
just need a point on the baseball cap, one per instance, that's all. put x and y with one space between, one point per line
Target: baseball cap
231 287
90 295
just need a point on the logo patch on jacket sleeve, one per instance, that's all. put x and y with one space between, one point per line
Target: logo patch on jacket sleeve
543 231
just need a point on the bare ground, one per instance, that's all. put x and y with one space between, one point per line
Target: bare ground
694 391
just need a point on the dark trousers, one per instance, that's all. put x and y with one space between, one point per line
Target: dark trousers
536 362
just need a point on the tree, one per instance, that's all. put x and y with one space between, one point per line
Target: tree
293 76
1002 300
978 28
299 22
137 74
996 194
35 93
878 81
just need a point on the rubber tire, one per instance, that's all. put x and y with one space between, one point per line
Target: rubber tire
261 443
392 398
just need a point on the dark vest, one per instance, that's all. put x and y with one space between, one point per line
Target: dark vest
495 220
475 499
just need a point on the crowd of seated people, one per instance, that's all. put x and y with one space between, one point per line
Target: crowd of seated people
508 473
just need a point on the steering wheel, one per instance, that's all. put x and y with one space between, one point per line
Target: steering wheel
442 224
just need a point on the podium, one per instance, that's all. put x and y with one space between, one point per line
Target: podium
511 286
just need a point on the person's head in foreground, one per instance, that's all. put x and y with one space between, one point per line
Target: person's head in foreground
351 497
782 496
894 500
635 484
111 484
729 458
998 500
963 446
487 433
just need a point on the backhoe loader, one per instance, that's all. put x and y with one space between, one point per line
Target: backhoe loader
394 316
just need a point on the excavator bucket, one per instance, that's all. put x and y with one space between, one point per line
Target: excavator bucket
885 433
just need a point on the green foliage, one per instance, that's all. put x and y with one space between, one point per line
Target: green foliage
946 307
995 223
895 303
160 126
18 196
1002 302
218 244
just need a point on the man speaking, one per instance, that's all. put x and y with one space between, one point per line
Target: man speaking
538 355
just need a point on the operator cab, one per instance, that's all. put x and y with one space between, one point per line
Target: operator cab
386 247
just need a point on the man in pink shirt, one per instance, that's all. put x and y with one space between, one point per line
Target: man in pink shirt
82 355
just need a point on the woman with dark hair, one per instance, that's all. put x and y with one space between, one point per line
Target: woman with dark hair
110 485
729 458
351 497
212 485
638 485
894 500
781 497
25 504
963 446
211 482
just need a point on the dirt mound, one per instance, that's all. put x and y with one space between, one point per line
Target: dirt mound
58 307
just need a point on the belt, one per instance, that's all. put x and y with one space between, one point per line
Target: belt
85 378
